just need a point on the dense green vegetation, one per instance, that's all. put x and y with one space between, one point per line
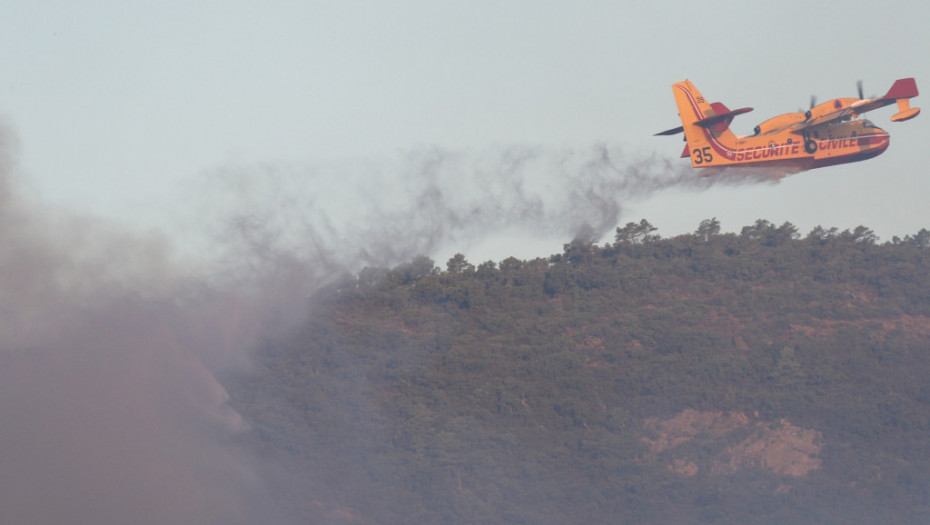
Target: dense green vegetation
528 391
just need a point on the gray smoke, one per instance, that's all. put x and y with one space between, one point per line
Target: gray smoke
110 407
111 410
382 213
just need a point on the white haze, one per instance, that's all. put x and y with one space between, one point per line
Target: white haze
111 410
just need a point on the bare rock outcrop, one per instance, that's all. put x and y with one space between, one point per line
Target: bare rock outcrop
741 441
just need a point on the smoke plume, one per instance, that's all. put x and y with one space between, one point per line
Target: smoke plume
385 212
111 349
110 407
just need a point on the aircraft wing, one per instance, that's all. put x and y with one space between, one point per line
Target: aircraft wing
833 116
902 90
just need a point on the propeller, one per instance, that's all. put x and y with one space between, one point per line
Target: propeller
859 89
807 114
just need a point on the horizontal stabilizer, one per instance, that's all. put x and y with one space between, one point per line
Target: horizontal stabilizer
907 114
673 131
710 121
723 115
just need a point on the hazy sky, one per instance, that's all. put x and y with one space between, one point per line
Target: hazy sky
352 133
121 108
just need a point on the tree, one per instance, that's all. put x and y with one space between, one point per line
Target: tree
707 229
416 269
864 235
634 233
370 278
821 235
921 239
458 264
758 230
487 270
511 264
582 246
787 232
769 234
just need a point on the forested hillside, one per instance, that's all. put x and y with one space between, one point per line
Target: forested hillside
761 377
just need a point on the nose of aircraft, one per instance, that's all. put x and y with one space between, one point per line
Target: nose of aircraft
875 144
883 143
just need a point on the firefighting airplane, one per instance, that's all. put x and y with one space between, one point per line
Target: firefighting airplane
829 133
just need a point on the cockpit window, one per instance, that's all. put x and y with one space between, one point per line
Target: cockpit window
866 123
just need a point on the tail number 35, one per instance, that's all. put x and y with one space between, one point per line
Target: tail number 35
703 155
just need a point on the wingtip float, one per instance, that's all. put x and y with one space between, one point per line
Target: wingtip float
829 133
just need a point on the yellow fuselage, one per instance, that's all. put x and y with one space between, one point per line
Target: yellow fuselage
797 140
